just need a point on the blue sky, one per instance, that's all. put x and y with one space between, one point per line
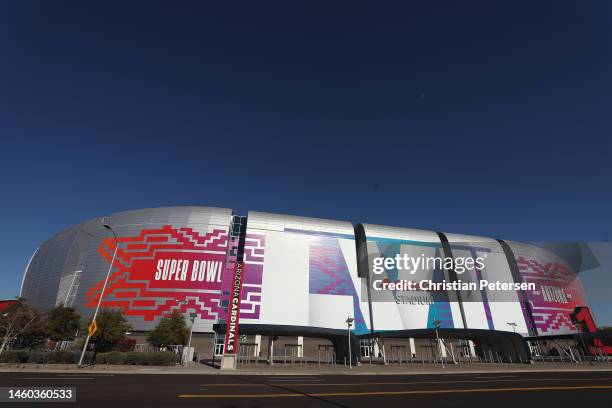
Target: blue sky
477 117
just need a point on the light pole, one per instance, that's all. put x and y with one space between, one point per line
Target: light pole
349 323
106 225
437 325
192 317
513 325
578 328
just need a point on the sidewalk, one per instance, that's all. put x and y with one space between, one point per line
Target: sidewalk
310 369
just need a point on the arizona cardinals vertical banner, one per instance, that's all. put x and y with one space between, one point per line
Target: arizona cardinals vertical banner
233 314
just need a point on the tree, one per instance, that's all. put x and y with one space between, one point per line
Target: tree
112 327
23 324
64 323
35 334
170 330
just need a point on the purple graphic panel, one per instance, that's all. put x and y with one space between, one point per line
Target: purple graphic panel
329 275
254 247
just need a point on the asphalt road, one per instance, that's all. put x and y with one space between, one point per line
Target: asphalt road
492 390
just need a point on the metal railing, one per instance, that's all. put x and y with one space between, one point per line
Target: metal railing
329 354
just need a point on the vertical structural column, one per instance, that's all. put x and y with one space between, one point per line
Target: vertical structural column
258 345
271 349
300 342
448 253
472 348
363 266
516 275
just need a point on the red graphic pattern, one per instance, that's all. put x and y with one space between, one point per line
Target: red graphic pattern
132 286
552 317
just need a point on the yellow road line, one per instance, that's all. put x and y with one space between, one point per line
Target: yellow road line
398 383
379 393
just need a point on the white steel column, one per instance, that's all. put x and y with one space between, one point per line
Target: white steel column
271 350
376 349
258 342
472 349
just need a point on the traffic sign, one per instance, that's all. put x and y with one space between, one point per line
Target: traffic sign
93 327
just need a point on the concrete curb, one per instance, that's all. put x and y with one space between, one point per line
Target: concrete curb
312 372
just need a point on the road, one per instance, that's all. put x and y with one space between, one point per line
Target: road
497 390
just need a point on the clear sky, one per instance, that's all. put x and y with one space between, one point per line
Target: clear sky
479 117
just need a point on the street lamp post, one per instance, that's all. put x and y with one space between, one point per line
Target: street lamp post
578 328
513 325
192 317
106 225
349 323
437 325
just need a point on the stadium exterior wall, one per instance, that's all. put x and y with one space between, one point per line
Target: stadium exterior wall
299 272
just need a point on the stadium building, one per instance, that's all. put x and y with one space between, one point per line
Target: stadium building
303 277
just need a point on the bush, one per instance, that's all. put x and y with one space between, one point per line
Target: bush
126 344
166 358
133 358
57 357
162 358
114 357
155 358
40 357
15 356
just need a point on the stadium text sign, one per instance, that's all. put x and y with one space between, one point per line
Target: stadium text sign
233 311
158 270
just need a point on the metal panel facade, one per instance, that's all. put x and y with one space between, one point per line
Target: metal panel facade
298 271
167 258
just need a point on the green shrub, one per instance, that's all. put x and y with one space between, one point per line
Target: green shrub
163 358
132 357
154 358
38 357
15 356
114 357
23 356
66 357
57 357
